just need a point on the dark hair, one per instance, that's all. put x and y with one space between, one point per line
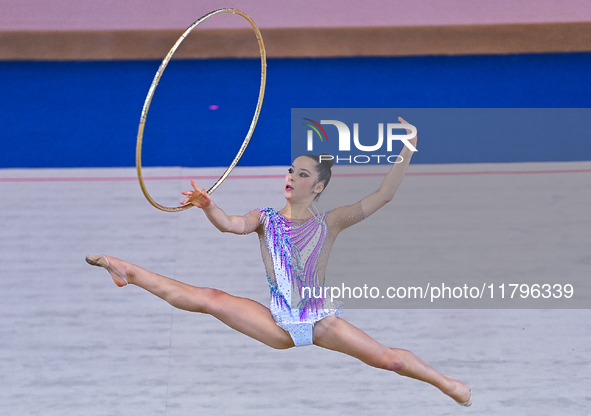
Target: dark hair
322 169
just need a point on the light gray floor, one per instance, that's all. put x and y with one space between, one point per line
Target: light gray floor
72 343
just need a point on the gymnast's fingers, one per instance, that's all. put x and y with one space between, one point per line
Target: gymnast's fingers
405 122
195 186
413 141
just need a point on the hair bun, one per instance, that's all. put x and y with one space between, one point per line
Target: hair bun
328 162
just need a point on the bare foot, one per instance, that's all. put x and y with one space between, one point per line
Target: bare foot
459 391
119 278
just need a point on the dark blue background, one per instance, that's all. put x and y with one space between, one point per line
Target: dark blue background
86 114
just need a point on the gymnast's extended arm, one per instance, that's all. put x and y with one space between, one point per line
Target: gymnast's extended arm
225 223
344 217
391 182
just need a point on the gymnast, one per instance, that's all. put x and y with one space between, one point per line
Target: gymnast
295 244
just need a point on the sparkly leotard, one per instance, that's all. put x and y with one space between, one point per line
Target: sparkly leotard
295 255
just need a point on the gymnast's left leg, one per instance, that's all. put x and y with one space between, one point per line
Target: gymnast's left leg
338 335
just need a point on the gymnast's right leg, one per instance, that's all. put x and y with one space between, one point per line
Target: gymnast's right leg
242 314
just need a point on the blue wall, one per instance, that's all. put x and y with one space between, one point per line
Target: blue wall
86 114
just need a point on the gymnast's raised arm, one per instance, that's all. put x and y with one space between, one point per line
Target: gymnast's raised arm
391 182
346 216
235 224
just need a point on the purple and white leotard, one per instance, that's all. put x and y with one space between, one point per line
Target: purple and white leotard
295 254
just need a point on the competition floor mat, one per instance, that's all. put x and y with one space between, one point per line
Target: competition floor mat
73 343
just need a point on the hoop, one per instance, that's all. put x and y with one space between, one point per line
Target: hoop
140 134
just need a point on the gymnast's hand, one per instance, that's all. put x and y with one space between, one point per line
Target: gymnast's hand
412 141
199 197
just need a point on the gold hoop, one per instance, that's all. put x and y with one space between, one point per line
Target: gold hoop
140 134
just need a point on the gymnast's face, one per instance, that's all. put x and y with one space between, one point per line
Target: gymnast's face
301 181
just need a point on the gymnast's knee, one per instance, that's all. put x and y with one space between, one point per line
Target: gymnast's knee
393 362
207 300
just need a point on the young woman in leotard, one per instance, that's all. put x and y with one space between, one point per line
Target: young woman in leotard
295 245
